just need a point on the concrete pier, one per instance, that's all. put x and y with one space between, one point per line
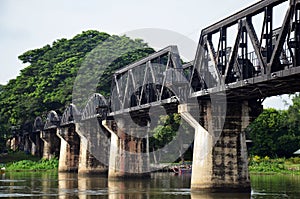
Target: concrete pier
69 149
94 138
69 140
94 148
37 143
49 136
129 155
220 155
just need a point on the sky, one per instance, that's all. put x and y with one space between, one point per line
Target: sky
31 24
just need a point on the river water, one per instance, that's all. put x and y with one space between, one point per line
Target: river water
160 186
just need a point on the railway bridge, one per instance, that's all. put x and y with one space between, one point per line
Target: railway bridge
240 61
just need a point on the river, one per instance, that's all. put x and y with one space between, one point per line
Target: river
160 186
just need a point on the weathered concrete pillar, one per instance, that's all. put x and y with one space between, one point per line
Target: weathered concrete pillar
49 136
12 143
51 143
27 143
220 155
33 147
35 137
94 145
35 140
69 148
129 154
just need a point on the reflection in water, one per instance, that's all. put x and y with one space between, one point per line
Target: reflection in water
160 186
133 189
28 184
275 186
67 186
220 195
90 186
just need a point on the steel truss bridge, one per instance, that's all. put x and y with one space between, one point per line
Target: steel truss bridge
233 56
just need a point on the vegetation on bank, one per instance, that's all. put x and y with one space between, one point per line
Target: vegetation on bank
20 161
29 165
267 165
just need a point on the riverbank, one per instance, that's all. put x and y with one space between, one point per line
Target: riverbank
20 161
266 165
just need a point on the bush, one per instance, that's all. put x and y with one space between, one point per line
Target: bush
42 164
294 160
258 164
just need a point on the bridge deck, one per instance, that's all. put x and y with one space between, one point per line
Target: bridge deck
281 82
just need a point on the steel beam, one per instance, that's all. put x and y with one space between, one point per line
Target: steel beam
249 11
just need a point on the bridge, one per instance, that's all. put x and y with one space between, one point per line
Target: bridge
237 65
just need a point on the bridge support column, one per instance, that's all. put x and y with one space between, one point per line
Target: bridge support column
220 155
35 139
27 143
69 149
129 154
51 143
93 149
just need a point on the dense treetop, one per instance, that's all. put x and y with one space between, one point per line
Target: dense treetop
276 133
47 82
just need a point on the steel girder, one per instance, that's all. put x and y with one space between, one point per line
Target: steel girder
215 68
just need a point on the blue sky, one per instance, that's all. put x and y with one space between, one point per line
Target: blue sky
29 24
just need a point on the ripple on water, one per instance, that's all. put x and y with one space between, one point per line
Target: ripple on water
14 187
258 195
8 181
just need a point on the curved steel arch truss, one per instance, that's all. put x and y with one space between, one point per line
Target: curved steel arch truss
96 107
70 115
154 80
52 120
38 124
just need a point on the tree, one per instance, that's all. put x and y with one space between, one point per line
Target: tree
47 82
265 130
167 131
276 133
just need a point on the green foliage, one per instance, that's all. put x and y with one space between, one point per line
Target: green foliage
258 164
276 133
265 164
264 130
47 82
43 164
165 131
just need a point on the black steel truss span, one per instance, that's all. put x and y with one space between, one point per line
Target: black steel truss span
155 80
259 62
70 115
52 121
96 107
251 58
